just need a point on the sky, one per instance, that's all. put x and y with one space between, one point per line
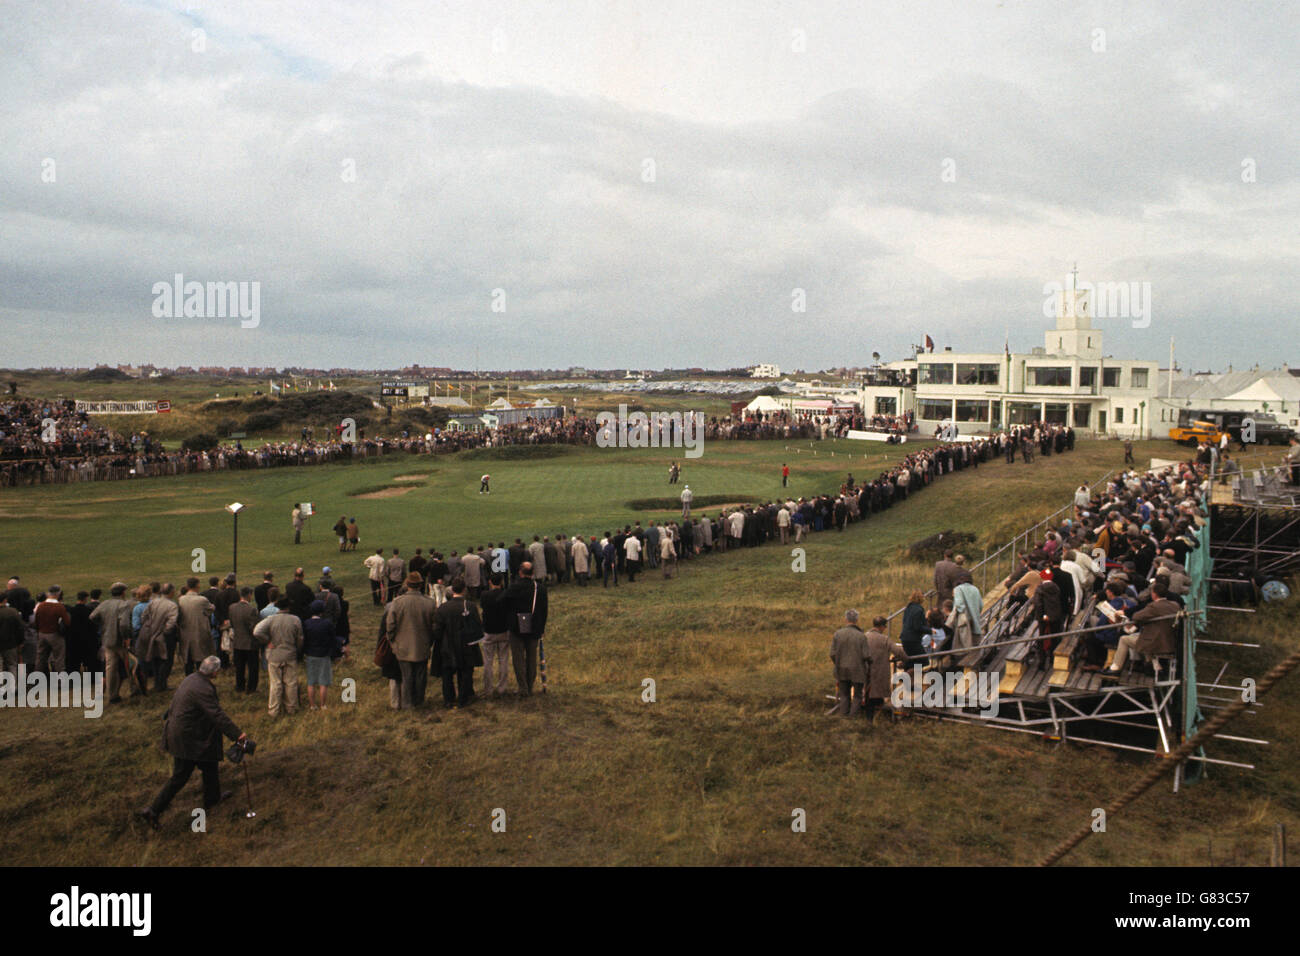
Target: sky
614 184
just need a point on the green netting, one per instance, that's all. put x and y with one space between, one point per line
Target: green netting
1199 568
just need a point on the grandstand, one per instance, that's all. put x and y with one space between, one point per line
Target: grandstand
1059 698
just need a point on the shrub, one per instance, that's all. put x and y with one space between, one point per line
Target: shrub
202 441
428 417
261 422
103 374
306 408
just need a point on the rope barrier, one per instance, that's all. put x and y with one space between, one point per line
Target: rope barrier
1177 757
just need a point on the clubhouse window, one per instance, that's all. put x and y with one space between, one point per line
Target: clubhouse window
1020 413
1087 376
1110 378
933 410
1081 415
977 373
931 373
972 411
1119 414
1050 375
886 406
1056 413
1139 378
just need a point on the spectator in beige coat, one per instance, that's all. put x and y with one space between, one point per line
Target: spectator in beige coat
282 635
850 657
581 567
195 623
878 670
113 618
409 625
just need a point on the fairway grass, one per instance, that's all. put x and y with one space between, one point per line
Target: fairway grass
590 773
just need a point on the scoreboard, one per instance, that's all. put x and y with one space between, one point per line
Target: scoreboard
403 390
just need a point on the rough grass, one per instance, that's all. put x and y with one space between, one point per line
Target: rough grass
590 774
518 453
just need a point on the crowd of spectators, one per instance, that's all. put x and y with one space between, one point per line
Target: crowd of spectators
83 451
1125 548
609 558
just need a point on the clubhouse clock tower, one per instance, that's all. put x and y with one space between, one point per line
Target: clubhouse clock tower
1074 334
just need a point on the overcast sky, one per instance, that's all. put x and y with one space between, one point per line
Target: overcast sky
648 184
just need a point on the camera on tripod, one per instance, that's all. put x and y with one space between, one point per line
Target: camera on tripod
239 748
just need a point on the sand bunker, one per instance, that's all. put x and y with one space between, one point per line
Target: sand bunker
392 492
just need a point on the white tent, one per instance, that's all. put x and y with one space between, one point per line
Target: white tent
764 404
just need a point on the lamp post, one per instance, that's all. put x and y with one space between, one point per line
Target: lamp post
234 510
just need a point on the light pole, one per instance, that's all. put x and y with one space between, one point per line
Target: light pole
235 509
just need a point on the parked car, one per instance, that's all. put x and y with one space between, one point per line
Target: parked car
1268 430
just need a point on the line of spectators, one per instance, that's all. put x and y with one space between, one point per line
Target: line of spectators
137 636
87 452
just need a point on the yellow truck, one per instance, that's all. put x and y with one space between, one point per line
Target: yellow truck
1196 432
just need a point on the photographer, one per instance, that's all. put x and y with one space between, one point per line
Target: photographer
192 731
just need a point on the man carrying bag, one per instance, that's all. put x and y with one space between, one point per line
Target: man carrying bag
528 598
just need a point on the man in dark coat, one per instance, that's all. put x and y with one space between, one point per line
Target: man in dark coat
518 555
83 637
192 731
456 625
227 595
260 593
1049 612
913 629
243 617
300 595
11 635
527 597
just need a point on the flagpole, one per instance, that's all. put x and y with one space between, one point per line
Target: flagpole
1169 386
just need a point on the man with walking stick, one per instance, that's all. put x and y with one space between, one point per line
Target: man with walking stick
192 732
